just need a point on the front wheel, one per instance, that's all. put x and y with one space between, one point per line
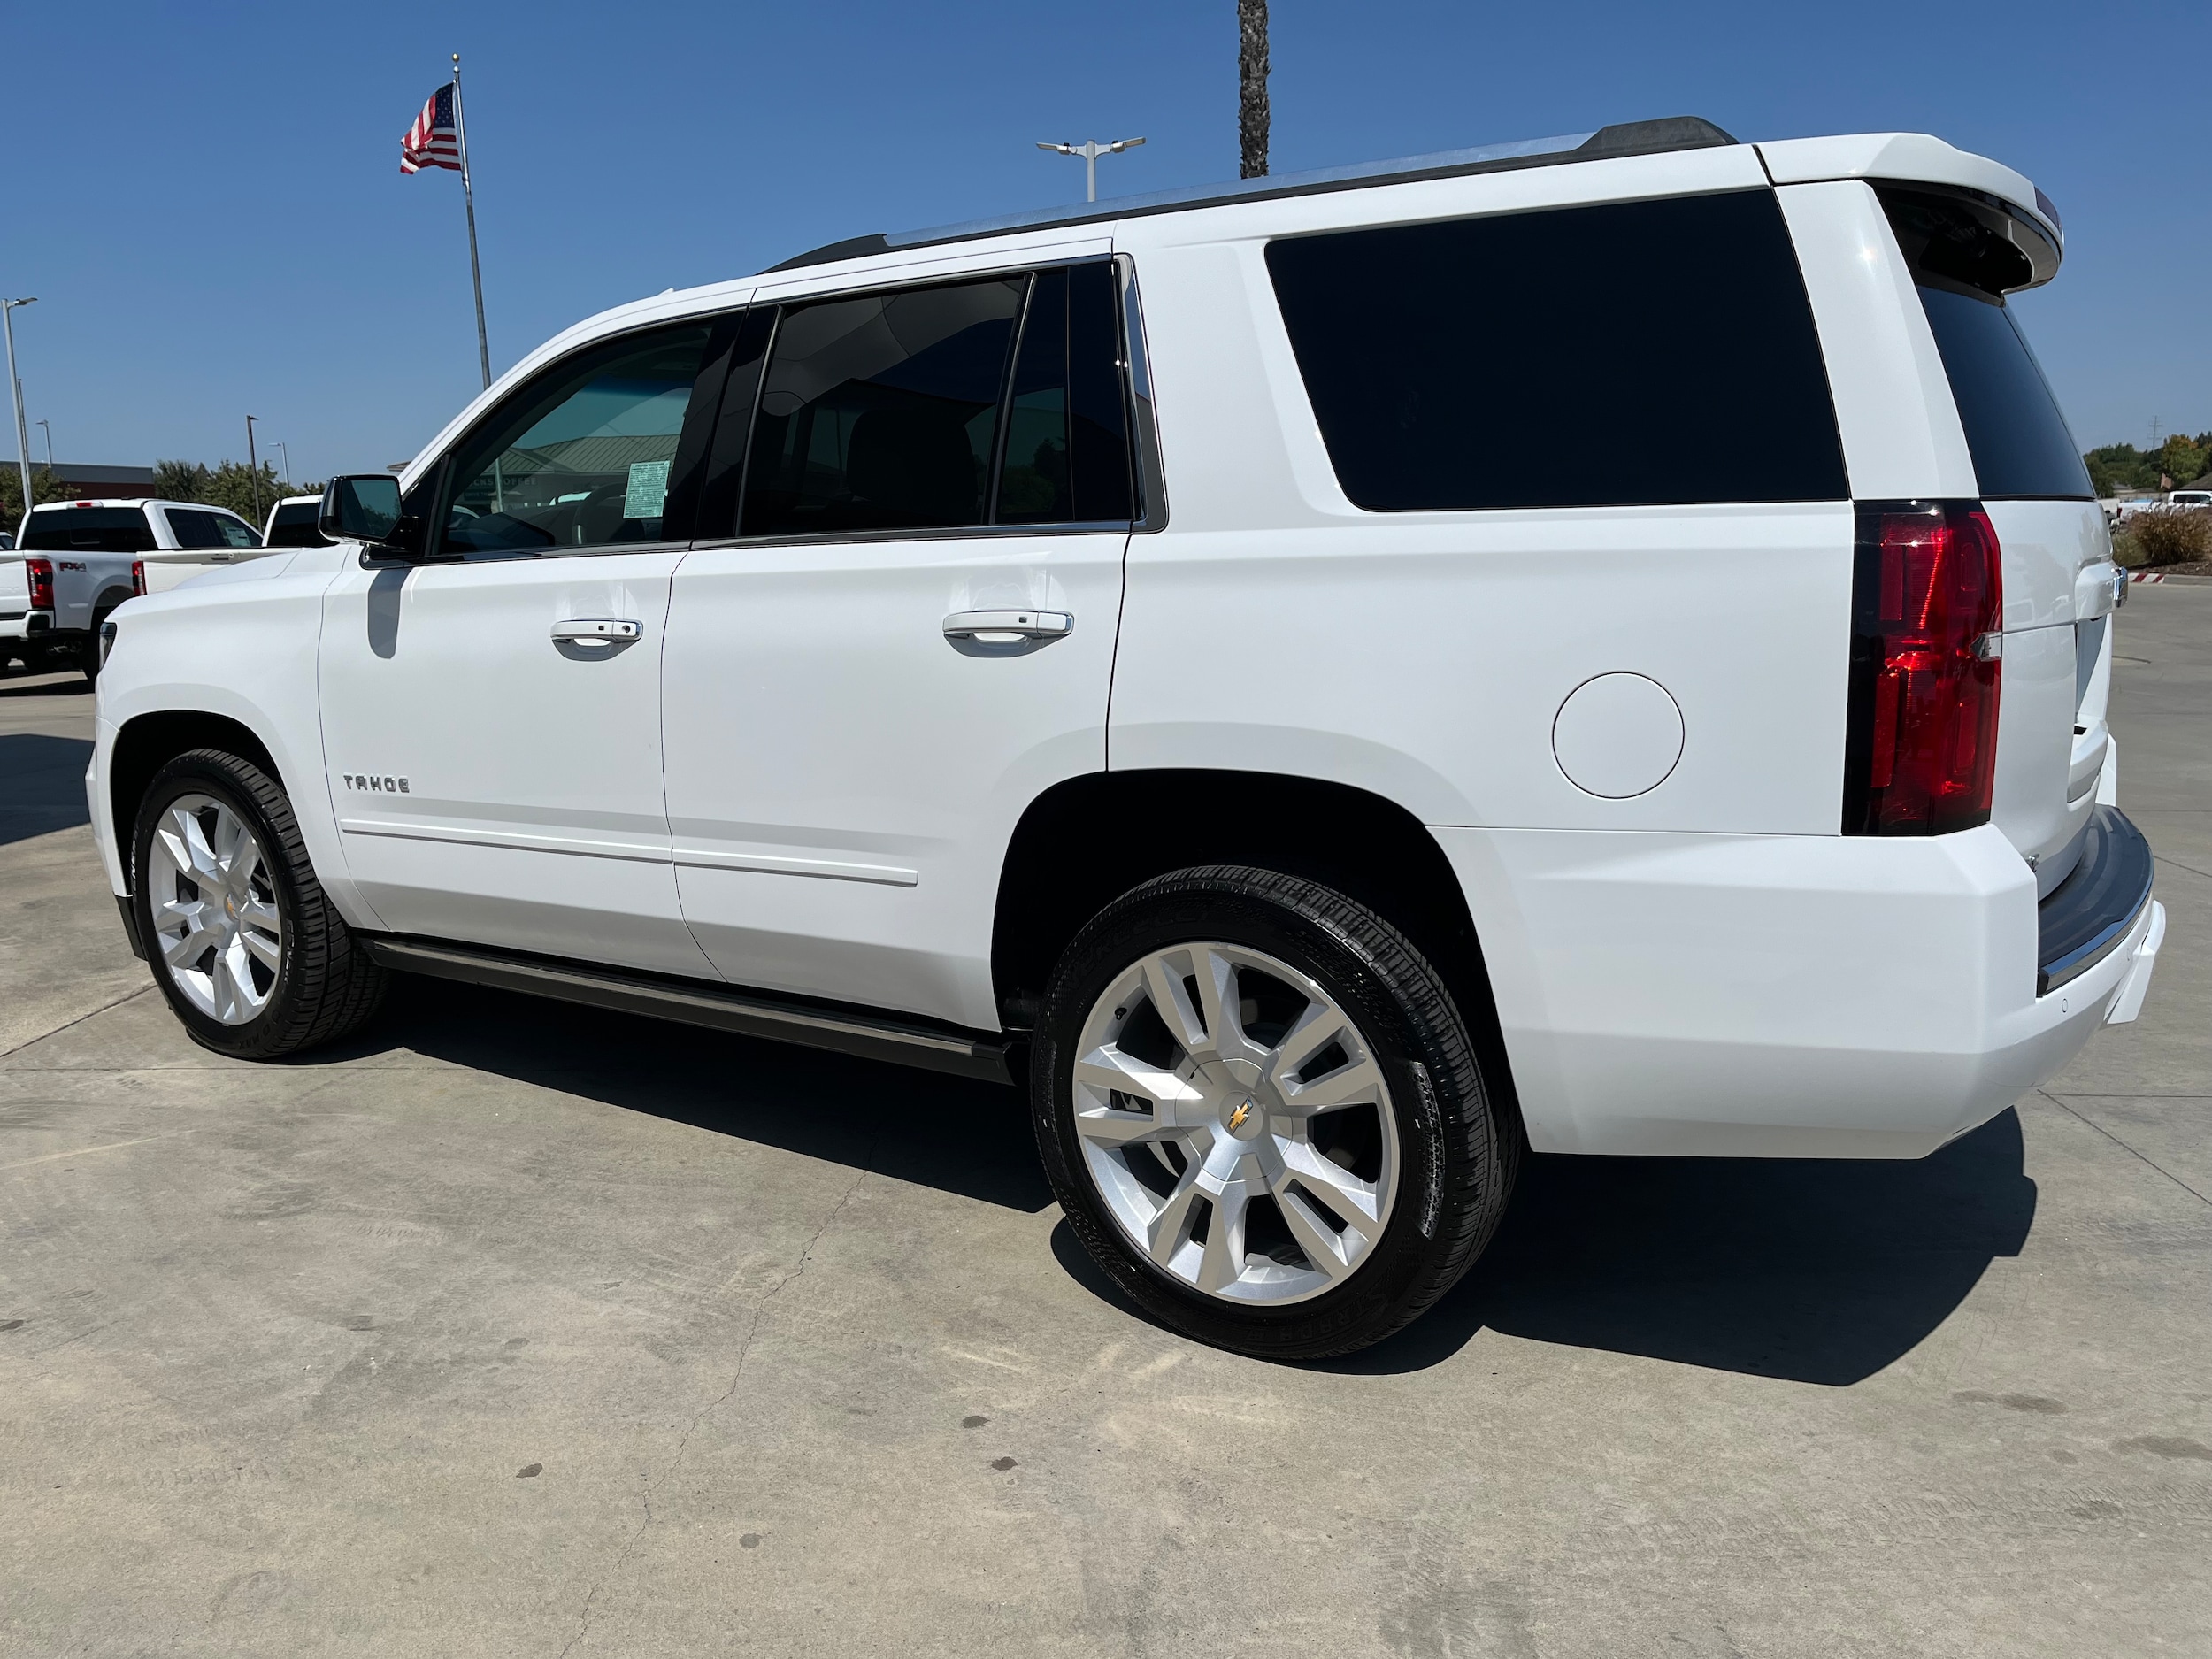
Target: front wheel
1261 1112
243 942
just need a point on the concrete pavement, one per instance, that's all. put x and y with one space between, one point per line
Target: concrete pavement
513 1329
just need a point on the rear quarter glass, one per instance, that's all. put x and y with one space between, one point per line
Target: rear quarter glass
1638 353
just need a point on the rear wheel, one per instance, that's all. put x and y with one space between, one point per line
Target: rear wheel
243 942
1262 1113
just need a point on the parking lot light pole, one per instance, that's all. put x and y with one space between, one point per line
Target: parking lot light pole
253 465
1091 149
15 386
47 427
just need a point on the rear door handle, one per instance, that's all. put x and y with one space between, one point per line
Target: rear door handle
1006 633
607 631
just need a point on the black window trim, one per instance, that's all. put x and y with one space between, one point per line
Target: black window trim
1133 363
1146 473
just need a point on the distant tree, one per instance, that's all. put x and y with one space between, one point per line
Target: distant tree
1252 69
232 486
180 480
228 484
44 487
2180 459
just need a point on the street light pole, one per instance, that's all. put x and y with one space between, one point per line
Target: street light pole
1091 149
47 427
287 450
253 465
22 433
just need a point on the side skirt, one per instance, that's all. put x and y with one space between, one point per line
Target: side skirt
691 1002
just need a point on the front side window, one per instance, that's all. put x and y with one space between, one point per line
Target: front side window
195 527
1637 353
581 456
87 530
881 412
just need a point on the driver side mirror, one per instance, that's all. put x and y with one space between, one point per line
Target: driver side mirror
366 507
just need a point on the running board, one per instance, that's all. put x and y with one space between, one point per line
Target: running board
748 1013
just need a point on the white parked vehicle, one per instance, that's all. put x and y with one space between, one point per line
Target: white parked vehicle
1187 657
81 559
295 521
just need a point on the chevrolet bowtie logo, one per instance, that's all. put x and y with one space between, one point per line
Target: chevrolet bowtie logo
1237 1118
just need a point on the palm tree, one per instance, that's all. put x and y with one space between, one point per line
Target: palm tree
1252 86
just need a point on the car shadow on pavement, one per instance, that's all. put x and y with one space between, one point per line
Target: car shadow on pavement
1813 1270
41 783
1818 1270
959 1136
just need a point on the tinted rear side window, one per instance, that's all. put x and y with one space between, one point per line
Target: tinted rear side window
1067 437
881 412
2014 431
88 530
194 529
1639 353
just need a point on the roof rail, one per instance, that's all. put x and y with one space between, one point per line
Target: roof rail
1627 138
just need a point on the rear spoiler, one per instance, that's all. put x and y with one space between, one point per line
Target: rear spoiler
2005 204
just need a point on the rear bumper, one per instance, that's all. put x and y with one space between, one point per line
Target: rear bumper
1779 996
25 625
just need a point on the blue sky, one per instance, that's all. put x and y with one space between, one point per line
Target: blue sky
208 203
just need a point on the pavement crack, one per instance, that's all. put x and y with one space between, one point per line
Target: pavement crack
2123 1145
737 1375
79 1021
2178 865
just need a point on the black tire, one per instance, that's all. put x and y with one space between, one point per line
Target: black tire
1459 1153
89 651
324 985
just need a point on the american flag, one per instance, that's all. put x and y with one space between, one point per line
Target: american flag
433 141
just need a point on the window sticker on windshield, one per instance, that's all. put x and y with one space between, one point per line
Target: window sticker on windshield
648 489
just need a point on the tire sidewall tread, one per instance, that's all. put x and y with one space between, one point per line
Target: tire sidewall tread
326 985
1458 1153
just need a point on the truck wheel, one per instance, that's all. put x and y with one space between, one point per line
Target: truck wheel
243 942
1261 1114
87 653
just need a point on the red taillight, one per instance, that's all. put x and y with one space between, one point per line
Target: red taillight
1927 645
138 576
41 573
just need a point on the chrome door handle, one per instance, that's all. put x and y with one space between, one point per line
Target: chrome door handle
608 631
1006 633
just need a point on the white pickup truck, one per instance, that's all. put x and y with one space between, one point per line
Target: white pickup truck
75 561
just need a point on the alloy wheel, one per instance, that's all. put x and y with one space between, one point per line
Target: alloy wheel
214 906
1235 1120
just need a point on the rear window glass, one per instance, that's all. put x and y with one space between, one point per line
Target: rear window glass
87 530
1964 257
295 526
193 528
1641 353
2014 431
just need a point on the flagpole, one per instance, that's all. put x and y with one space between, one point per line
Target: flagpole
468 198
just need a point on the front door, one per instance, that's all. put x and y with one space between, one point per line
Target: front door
911 639
492 715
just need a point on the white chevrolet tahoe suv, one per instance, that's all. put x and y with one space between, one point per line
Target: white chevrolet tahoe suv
1598 646
78 560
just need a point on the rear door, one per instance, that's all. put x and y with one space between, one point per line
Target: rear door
911 639
492 717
